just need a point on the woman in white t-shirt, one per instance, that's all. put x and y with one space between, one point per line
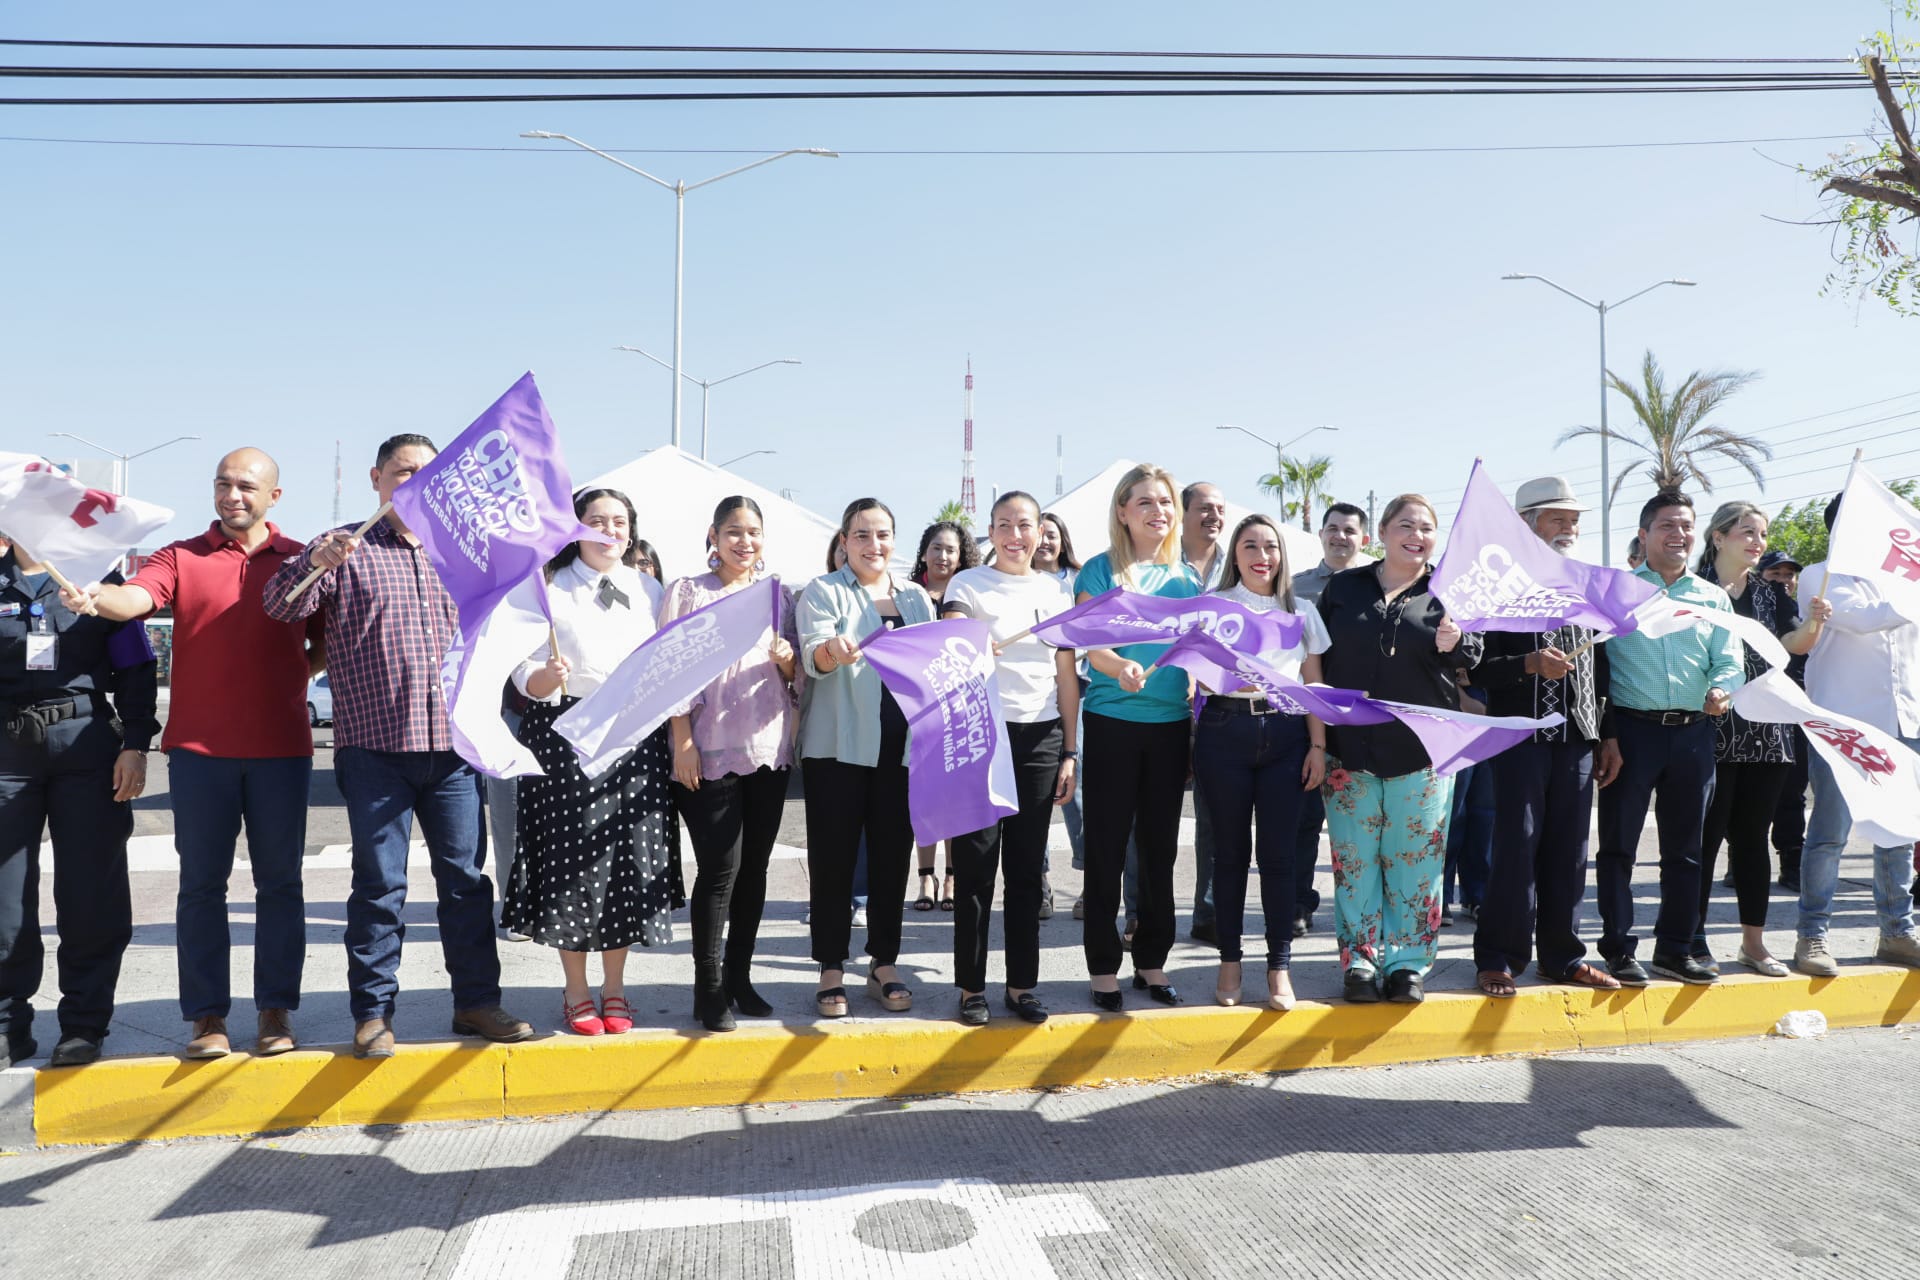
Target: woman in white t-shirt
1250 758
1040 694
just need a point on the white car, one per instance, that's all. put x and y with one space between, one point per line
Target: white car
319 700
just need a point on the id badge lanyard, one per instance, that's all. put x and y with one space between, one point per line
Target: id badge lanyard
42 644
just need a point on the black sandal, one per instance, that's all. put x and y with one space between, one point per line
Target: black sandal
925 901
946 894
830 996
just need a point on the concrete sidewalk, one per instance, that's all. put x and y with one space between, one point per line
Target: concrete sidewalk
669 1061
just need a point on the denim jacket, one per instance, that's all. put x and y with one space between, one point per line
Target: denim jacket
840 707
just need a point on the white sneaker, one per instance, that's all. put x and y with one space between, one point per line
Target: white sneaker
859 917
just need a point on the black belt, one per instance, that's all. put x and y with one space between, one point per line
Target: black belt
30 724
1247 706
1668 718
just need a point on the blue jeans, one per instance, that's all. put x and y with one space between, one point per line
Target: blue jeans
213 796
1820 862
385 791
1470 837
1246 769
1203 862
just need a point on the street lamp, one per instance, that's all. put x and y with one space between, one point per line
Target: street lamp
680 189
124 471
704 385
751 454
1606 497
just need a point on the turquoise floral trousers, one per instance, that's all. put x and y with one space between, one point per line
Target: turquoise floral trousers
1389 839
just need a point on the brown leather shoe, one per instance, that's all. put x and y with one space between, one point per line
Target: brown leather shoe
209 1038
491 1023
373 1038
276 1033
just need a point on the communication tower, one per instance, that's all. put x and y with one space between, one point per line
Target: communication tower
966 454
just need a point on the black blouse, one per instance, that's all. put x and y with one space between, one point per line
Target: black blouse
1388 650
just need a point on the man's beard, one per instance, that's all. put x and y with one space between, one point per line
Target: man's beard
1565 544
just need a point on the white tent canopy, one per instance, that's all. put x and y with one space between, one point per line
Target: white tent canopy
1084 509
675 493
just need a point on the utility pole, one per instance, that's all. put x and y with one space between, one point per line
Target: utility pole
1370 529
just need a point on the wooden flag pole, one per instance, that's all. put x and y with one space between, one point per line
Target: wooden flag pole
372 520
553 643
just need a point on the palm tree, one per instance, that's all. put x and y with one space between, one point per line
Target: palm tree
1308 478
1674 436
953 511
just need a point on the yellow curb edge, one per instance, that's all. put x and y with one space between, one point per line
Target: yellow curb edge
119 1100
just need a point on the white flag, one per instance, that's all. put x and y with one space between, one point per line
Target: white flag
474 674
1877 537
1663 616
80 531
1878 775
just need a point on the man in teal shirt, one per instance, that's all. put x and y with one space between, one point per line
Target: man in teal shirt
1665 692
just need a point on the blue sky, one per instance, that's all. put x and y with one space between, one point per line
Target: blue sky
291 298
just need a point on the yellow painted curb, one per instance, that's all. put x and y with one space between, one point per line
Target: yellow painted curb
129 1099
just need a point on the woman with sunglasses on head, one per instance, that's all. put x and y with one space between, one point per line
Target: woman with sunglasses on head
1040 694
732 757
853 756
1751 759
946 548
1256 761
1136 747
599 859
1387 810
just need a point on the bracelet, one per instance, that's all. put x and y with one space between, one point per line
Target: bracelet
1316 746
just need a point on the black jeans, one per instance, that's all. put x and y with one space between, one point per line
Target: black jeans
732 822
1248 767
1306 853
1744 799
1136 778
65 785
1543 792
1018 843
1677 762
1790 814
843 801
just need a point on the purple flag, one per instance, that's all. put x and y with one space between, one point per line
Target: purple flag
959 769
490 510
1225 671
1453 739
658 679
1119 616
1456 739
1497 575
495 505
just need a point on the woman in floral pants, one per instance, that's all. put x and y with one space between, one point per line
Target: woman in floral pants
1387 810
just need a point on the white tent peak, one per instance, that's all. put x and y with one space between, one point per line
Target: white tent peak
674 494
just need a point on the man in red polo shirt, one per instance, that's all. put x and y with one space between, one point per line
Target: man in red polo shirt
239 750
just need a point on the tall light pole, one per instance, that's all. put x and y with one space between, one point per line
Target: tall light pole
705 385
1279 450
124 472
1606 497
680 189
751 453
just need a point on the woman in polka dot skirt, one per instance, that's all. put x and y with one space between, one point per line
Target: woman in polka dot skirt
599 864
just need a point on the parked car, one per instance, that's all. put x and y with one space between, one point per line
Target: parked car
319 700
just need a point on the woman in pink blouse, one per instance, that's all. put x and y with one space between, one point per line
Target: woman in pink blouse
731 756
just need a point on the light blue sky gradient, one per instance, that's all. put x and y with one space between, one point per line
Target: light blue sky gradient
289 298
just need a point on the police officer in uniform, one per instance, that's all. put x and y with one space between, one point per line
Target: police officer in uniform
70 761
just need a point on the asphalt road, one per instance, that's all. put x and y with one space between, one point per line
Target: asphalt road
1764 1158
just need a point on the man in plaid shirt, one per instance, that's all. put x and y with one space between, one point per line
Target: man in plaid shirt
389 623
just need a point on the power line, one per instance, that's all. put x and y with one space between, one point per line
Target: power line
1119 152
842 95
261 46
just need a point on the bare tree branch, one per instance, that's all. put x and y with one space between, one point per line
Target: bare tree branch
1879 195
1896 118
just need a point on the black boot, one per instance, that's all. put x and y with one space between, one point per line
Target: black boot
710 1003
740 991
